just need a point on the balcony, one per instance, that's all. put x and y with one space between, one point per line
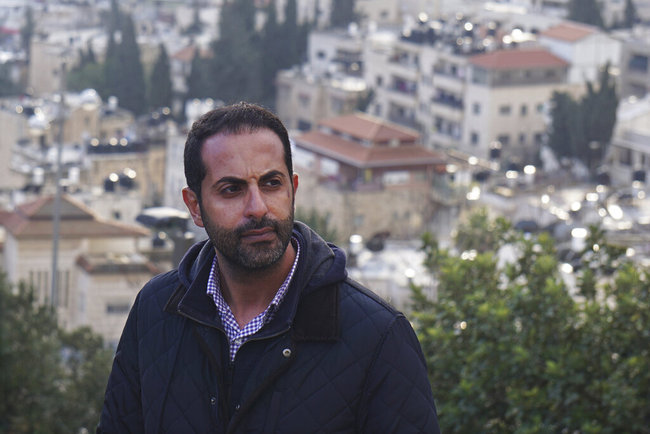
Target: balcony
450 83
449 112
407 71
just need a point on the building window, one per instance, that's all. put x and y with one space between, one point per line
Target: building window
320 54
474 138
638 63
538 138
476 108
522 139
379 80
540 107
625 156
504 139
304 125
523 110
504 110
396 177
479 76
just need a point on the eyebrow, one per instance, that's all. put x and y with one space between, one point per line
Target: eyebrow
271 174
239 181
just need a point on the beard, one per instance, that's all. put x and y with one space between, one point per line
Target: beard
254 256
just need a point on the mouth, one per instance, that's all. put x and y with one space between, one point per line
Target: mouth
259 235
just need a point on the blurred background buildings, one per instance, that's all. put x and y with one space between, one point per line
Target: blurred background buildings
404 116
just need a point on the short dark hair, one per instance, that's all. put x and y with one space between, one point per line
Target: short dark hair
231 119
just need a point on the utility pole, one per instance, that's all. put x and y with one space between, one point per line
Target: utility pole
56 216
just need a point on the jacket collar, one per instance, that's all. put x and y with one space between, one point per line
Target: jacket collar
311 303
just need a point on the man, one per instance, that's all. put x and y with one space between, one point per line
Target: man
260 330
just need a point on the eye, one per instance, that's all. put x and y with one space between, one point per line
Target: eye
230 190
272 183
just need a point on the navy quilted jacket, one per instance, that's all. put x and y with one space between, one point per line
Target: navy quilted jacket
334 359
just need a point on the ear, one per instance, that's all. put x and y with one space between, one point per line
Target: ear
192 204
295 183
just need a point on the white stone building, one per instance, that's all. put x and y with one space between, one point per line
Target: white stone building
586 48
100 264
506 97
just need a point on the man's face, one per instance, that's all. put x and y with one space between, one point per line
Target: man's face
247 198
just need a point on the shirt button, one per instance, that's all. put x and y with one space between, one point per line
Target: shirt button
237 407
286 353
213 401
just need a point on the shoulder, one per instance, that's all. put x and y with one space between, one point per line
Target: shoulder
362 309
160 285
354 295
155 294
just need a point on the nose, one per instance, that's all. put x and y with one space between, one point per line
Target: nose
256 205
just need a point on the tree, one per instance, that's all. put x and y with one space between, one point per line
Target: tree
342 13
110 69
630 14
272 46
319 222
7 85
599 106
51 381
160 83
480 233
291 35
122 68
283 45
196 27
131 86
565 137
87 74
235 66
198 84
510 350
586 11
582 129
27 32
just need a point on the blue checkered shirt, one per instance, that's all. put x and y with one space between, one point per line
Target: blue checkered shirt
237 336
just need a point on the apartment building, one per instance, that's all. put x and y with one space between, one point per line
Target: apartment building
506 97
586 48
328 85
441 107
628 157
368 175
100 265
635 64
394 75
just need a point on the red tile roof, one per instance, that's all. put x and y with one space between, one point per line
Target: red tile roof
360 156
518 59
370 128
34 220
569 31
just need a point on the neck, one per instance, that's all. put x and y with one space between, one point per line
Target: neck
249 292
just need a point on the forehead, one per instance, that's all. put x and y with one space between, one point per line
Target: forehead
227 154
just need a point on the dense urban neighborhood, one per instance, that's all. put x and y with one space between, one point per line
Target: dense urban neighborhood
484 165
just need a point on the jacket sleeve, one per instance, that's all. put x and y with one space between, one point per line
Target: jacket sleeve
122 411
397 396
